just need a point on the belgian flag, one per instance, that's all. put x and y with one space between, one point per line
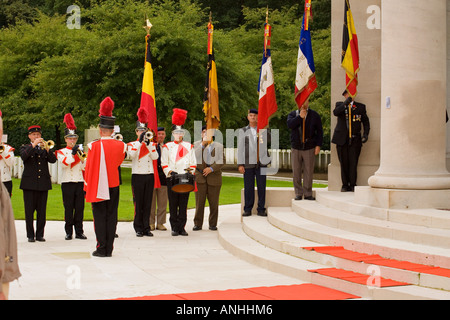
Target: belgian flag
148 102
350 52
148 91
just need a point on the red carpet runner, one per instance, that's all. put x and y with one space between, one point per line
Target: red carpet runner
375 259
311 291
294 292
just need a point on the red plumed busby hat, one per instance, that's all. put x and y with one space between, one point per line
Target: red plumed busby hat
107 120
70 131
142 119
178 119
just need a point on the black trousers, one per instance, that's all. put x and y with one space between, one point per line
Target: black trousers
178 208
142 186
348 157
249 189
9 187
73 200
35 201
105 221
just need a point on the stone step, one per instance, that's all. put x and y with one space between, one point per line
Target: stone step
287 220
319 213
236 241
259 229
345 201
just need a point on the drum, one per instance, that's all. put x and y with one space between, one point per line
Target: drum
183 183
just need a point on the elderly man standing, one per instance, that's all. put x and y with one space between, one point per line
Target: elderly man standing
306 140
208 175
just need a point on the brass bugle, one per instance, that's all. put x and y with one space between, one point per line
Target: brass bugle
149 135
82 155
2 148
50 144
118 136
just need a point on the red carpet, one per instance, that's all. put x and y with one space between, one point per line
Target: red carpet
375 259
294 292
356 277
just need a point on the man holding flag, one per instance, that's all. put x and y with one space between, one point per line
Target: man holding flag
209 154
305 123
351 115
254 139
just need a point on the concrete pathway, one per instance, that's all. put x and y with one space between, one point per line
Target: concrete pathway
61 269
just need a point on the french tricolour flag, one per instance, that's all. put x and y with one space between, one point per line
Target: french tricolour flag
267 104
305 80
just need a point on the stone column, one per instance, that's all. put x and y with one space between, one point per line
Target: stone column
413 67
414 80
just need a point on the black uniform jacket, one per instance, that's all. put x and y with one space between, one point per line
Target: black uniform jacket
36 175
358 117
313 130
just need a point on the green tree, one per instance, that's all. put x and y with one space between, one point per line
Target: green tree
47 70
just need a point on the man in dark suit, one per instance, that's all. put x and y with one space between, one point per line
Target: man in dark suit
208 175
347 137
306 140
36 181
252 158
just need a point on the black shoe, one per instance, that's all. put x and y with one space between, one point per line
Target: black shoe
30 239
213 228
345 189
81 236
298 198
183 233
98 254
139 234
310 198
148 234
246 214
174 233
262 213
196 228
68 237
40 239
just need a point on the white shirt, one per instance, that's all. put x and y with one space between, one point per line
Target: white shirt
6 162
170 160
71 166
142 164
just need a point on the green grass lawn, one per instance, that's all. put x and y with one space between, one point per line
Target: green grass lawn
229 194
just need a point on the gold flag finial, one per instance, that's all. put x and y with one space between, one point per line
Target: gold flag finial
148 25
267 15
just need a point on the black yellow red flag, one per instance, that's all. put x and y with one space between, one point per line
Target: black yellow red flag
350 52
211 96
